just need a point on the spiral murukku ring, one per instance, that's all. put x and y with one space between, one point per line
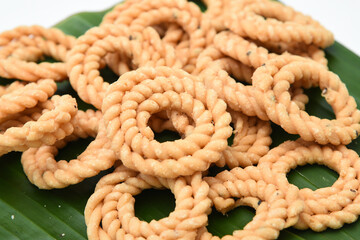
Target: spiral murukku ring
325 207
274 211
17 99
272 21
85 58
240 97
51 42
54 124
274 80
45 172
110 213
137 95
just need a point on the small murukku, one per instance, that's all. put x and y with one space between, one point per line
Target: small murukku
137 95
35 39
325 207
240 97
274 80
15 100
45 172
85 59
272 21
110 213
53 124
274 211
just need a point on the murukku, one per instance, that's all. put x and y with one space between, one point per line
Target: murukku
274 211
49 42
52 125
325 207
45 172
240 97
137 95
272 21
25 96
274 80
110 214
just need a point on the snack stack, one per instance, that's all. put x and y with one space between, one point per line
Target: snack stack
232 69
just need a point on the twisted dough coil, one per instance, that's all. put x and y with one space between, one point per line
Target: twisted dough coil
325 207
137 95
109 212
45 172
37 41
18 96
274 210
54 124
282 24
85 58
240 97
273 81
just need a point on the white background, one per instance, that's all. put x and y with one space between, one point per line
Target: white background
342 17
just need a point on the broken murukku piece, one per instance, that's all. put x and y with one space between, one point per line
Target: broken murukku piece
52 125
86 57
45 172
110 213
272 21
274 79
35 39
25 96
324 207
274 211
137 95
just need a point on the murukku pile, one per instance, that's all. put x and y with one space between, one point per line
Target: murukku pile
218 78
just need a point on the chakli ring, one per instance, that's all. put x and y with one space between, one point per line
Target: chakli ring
51 42
274 80
109 212
325 207
272 21
45 172
52 125
137 95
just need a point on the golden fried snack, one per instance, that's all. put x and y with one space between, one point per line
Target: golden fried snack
15 100
118 10
275 209
273 82
272 21
137 95
325 207
185 14
53 125
110 214
85 59
49 42
251 141
240 97
11 87
45 172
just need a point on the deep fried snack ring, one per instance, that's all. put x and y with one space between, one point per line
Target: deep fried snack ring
240 97
251 141
45 172
109 212
325 207
85 59
51 42
274 79
53 125
274 211
25 96
155 89
282 24
185 14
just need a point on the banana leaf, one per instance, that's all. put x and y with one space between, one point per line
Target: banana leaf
29 213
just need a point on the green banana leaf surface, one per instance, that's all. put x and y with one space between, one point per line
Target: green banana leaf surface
29 213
